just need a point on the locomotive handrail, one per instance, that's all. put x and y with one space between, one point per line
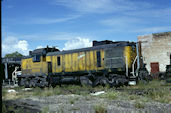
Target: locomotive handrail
133 71
14 75
126 66
114 58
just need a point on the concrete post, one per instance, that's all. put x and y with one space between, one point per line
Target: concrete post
6 71
9 82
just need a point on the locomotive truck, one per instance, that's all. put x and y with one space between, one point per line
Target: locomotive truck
105 63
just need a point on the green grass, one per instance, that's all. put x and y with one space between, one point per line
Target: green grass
153 91
100 108
61 109
45 92
133 97
73 100
161 95
112 95
4 109
12 109
45 110
4 92
157 91
64 90
139 105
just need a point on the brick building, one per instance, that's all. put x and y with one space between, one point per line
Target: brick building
156 51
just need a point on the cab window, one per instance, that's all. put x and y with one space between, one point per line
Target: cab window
44 58
98 58
58 60
170 59
36 58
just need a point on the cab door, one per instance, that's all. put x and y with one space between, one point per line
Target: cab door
49 67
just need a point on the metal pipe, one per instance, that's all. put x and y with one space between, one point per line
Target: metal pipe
138 57
6 71
9 82
133 66
126 66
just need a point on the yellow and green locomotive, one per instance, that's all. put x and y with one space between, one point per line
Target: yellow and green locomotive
106 62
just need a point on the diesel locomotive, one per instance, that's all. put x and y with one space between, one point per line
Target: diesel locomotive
105 63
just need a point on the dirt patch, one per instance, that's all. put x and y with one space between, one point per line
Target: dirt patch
83 104
151 98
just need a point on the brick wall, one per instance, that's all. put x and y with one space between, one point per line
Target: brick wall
156 48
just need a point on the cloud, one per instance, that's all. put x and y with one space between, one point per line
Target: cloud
43 20
152 13
154 29
52 36
38 47
121 21
39 20
101 6
77 43
11 44
148 24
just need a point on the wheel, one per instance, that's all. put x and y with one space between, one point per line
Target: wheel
32 83
101 81
85 81
144 76
104 81
21 83
26 84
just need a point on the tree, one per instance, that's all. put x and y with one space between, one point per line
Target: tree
14 54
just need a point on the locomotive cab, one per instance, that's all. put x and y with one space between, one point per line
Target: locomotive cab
34 68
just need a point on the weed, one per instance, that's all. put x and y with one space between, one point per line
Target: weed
88 98
11 109
110 95
100 108
133 97
154 90
56 91
4 92
61 109
18 89
72 100
161 95
37 91
139 105
45 110
4 109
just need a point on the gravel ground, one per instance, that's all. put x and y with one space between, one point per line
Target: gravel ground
72 103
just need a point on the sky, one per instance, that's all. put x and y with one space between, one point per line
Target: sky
70 24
